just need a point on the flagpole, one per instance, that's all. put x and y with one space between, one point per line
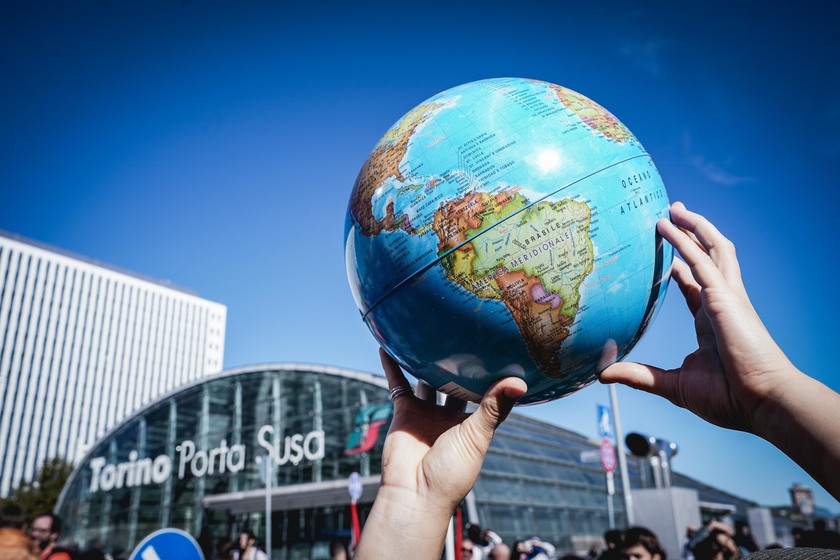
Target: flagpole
622 458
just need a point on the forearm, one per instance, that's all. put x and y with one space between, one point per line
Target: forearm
400 524
802 418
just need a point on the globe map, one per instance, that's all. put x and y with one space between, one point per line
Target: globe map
507 227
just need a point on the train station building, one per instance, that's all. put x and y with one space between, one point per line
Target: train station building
197 459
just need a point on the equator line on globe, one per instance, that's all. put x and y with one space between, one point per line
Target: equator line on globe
507 227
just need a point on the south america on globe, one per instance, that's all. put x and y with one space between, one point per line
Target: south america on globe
507 227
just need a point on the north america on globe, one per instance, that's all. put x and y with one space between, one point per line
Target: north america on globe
507 226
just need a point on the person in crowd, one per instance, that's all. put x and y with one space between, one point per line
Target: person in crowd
612 539
491 540
468 549
501 551
744 538
717 544
477 541
686 553
248 549
737 378
223 550
821 537
483 540
797 533
45 530
338 550
15 545
640 543
533 549
12 516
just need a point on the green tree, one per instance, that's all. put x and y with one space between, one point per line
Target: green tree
41 493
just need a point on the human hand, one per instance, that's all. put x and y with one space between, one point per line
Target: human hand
714 524
435 452
430 461
737 364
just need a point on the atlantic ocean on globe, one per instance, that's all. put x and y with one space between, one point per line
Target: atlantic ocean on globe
507 227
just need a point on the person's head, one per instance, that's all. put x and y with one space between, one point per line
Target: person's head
613 538
16 545
12 516
819 524
45 530
521 547
499 552
338 551
246 540
467 548
474 532
640 543
719 545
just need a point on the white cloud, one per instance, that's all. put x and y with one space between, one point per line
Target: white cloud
715 173
710 169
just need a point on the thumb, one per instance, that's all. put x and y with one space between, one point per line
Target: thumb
497 403
643 377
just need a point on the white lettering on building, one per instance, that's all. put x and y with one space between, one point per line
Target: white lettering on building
218 460
199 462
295 448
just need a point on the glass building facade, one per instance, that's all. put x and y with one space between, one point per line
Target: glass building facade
159 467
533 482
196 460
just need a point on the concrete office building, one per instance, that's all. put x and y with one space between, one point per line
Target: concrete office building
82 346
191 460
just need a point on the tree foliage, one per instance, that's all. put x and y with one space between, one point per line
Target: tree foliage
40 494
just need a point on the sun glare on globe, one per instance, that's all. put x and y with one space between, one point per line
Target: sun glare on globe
548 160
507 227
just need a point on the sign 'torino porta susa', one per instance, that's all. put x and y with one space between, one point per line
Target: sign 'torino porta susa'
199 462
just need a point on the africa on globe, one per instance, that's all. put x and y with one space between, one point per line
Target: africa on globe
507 227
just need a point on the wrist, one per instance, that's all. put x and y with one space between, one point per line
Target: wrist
401 520
796 417
778 410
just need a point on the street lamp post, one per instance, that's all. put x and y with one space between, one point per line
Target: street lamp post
622 459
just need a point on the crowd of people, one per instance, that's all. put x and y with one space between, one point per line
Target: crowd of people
247 547
37 540
486 544
716 540
40 540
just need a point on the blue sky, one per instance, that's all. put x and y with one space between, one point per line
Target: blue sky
215 144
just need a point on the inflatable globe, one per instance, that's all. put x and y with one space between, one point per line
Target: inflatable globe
507 227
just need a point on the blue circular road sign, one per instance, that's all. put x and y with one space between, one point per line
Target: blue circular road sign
167 544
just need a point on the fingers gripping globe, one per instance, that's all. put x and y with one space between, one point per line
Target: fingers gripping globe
507 227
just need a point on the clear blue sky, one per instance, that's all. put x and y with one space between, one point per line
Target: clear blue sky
215 144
